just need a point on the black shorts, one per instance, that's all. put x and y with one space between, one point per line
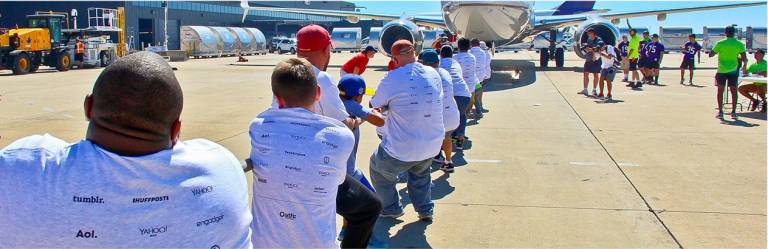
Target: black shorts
592 66
652 64
642 63
687 64
79 57
633 64
730 78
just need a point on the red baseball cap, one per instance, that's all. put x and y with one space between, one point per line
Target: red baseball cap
312 38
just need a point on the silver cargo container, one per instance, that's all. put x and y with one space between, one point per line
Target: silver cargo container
199 41
674 38
346 39
245 40
714 34
430 36
227 40
373 38
756 38
260 41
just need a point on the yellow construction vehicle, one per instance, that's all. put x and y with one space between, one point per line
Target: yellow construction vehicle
23 50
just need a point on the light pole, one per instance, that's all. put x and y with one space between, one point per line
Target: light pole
165 26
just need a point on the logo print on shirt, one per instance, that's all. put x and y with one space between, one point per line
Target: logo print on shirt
298 138
265 135
326 160
197 192
292 168
290 185
330 144
288 216
323 173
262 150
261 180
319 190
153 231
150 199
86 235
91 199
211 220
215 247
295 153
299 124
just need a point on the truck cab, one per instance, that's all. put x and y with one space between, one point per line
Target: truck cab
52 22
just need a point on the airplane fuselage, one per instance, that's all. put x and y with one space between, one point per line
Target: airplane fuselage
501 22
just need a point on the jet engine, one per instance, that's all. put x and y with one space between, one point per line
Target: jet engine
603 29
399 30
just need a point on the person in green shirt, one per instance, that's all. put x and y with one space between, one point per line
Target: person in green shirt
756 69
633 48
730 52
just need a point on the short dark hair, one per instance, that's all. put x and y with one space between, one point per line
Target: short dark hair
463 44
137 92
475 42
760 51
730 31
633 30
446 52
692 36
295 82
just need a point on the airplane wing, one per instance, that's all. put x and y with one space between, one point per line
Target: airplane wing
350 16
553 22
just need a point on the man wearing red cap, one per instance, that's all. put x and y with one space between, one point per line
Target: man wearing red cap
412 95
357 204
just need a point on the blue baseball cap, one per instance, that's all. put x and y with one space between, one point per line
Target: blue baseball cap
352 85
369 48
429 56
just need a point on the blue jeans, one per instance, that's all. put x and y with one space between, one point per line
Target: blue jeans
384 171
462 103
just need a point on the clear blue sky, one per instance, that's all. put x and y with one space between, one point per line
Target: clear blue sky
753 16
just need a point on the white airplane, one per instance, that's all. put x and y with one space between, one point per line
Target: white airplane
504 22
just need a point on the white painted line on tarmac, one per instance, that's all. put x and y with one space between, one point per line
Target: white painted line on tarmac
482 161
68 116
584 163
48 109
629 165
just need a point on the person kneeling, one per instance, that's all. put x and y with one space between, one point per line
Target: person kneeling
131 183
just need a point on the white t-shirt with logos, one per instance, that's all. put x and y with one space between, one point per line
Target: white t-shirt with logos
450 110
330 104
468 69
608 62
480 58
412 95
299 159
459 85
56 194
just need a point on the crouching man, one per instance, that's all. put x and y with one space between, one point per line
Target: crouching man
131 182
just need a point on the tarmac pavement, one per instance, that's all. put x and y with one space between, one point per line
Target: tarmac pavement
545 167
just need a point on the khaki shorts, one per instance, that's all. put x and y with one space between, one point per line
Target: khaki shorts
625 64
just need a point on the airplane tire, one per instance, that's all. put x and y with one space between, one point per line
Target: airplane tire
544 57
559 57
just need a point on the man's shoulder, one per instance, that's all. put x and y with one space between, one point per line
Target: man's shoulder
31 149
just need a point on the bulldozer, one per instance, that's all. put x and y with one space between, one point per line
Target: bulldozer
24 50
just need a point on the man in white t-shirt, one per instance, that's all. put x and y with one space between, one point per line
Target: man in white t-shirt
460 92
607 70
413 131
480 71
299 159
430 58
467 62
131 183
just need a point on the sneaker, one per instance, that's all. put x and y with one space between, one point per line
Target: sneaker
719 115
734 116
438 158
393 216
600 95
639 84
459 144
608 97
682 82
485 110
625 80
583 92
447 167
690 82
426 217
594 92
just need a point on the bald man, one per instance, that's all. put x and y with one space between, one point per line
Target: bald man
131 182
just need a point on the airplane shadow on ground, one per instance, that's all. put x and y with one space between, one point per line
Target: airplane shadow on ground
501 78
753 115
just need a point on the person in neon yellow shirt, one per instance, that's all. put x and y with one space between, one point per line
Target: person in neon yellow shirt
634 47
756 69
729 53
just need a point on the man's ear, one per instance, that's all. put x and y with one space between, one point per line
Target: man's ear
175 131
318 94
88 106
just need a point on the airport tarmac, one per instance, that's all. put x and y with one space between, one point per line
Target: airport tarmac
545 168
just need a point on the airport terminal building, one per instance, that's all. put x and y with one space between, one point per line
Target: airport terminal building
144 19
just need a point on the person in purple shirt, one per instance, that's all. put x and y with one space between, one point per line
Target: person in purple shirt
654 52
642 63
689 50
623 52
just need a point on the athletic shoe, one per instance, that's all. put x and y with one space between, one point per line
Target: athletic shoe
438 158
631 84
734 116
682 82
426 217
690 82
719 115
583 92
447 167
459 144
594 92
393 216
608 97
625 80
485 110
638 84
600 96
